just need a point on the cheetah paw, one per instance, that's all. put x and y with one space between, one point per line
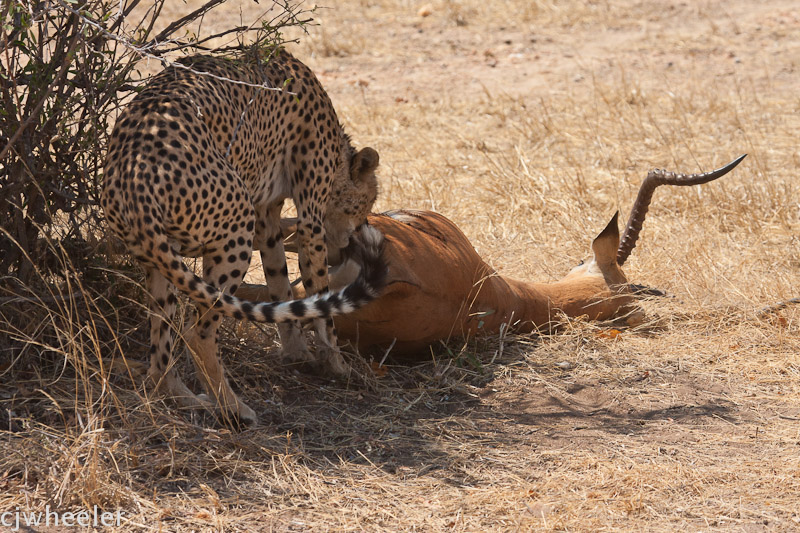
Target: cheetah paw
242 416
331 362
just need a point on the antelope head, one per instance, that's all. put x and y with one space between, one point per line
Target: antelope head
614 295
597 287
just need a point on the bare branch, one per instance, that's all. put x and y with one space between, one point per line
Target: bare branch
181 22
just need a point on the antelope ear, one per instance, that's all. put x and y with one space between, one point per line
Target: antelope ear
605 245
363 164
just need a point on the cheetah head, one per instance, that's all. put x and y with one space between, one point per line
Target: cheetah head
355 189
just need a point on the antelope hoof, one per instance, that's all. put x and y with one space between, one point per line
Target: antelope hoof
635 318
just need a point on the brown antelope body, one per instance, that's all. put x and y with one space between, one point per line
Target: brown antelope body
439 287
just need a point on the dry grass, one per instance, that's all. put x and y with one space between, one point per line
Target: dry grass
527 123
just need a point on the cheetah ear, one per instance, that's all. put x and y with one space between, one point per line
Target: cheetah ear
363 164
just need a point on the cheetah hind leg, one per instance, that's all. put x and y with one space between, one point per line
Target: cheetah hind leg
202 346
162 375
201 338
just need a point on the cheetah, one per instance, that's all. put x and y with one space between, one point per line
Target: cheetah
198 166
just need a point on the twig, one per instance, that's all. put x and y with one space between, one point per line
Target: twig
75 296
389 349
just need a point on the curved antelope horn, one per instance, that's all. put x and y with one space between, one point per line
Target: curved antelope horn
654 179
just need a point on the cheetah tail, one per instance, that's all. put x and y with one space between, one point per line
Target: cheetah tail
367 251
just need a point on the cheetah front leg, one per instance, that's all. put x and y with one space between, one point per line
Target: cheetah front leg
269 241
313 262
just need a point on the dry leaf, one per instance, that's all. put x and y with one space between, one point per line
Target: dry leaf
609 333
379 370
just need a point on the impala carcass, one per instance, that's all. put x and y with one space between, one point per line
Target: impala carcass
439 288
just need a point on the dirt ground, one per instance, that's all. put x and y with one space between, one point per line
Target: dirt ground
528 123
